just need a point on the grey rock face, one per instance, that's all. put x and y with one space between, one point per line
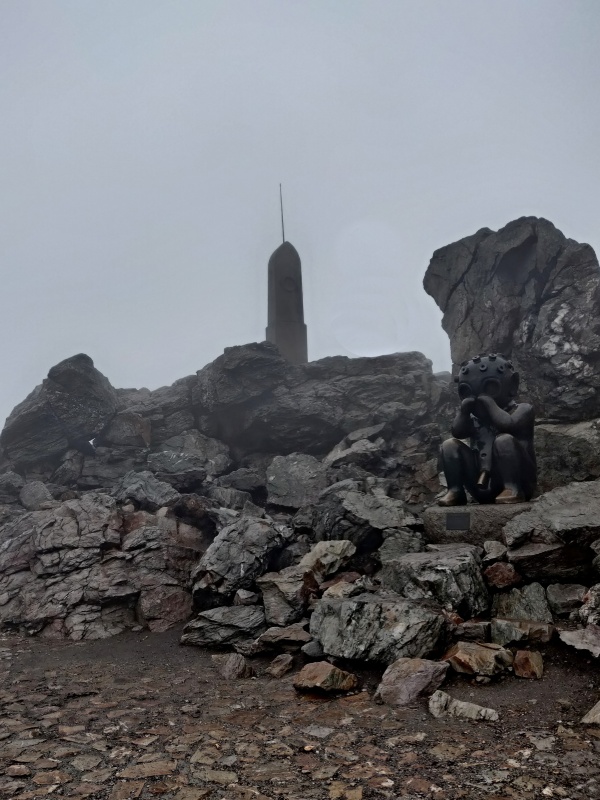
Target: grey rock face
407 679
364 448
84 569
589 613
361 518
528 603
239 554
534 295
378 628
326 558
567 452
69 408
485 523
451 575
34 494
552 541
225 625
146 490
295 480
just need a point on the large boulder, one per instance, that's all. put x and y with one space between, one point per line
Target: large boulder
451 575
239 554
70 408
378 627
534 295
553 540
295 480
224 626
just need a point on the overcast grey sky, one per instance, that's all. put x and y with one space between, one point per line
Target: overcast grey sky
142 143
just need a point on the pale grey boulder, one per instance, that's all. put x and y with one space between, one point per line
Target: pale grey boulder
563 598
450 575
377 627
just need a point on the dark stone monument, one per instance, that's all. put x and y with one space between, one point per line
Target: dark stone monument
286 328
498 465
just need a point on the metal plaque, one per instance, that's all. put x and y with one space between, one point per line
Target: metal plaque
458 522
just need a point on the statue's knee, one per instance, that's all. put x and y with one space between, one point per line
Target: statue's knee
504 441
450 447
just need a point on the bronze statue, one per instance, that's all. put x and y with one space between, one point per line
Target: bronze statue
499 463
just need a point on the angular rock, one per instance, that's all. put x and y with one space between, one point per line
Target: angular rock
238 555
280 666
34 495
146 490
505 631
70 408
473 631
126 429
286 594
567 452
528 603
378 628
295 480
493 552
229 498
323 676
593 716
502 575
345 513
451 575
244 480
245 598
407 679
232 666
442 705
532 294
589 613
565 597
587 638
528 664
326 558
364 448
473 658
552 541
313 650
222 626
162 607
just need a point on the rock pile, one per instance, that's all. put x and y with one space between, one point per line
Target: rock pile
277 509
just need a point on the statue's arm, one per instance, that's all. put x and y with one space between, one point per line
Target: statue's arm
518 423
462 427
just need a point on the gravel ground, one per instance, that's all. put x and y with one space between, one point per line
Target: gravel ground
139 716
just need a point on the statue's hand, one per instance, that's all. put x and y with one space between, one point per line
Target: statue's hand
468 405
486 401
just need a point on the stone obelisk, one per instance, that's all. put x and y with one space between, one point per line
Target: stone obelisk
286 327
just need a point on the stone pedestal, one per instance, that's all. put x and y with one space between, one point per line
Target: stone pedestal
473 524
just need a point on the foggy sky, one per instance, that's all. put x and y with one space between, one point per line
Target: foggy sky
142 143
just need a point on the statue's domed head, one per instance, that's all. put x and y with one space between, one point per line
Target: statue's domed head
491 374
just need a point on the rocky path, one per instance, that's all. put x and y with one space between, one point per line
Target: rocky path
139 716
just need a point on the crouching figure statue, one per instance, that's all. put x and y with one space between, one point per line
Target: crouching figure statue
498 465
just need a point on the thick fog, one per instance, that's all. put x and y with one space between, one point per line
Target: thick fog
142 144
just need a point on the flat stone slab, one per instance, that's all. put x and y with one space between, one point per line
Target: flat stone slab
473 524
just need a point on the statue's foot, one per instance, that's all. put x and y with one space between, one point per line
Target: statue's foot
453 498
510 496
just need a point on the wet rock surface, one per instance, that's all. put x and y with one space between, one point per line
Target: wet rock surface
140 716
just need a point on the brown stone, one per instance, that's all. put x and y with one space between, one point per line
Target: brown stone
18 770
280 666
51 777
528 664
409 678
154 769
124 790
324 676
233 666
478 658
502 575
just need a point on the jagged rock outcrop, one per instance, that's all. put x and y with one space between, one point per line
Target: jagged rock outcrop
532 294
68 409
